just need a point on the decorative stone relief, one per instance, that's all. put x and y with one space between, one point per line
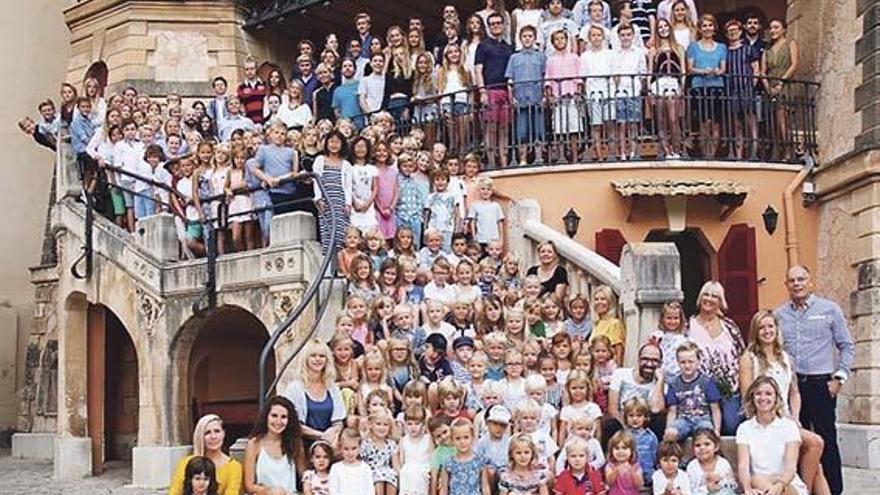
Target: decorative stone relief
284 301
180 56
281 264
150 309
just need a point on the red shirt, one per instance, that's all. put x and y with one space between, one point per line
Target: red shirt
590 484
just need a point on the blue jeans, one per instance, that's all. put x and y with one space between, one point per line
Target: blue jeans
143 206
685 426
731 414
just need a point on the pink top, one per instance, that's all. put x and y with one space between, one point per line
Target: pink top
721 348
562 65
625 484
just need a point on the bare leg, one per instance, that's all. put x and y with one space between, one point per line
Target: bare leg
810 464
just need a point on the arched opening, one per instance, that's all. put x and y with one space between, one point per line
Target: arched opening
112 388
99 71
221 369
696 257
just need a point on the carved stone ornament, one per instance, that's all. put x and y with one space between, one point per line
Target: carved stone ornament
283 302
149 309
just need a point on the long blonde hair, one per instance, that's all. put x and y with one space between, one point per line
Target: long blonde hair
315 346
425 82
447 68
401 64
757 349
199 432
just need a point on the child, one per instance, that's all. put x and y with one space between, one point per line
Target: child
556 17
476 368
242 222
562 86
450 400
490 395
403 244
316 481
415 393
184 205
441 435
433 365
388 279
488 277
578 392
348 373
364 186
413 293
515 328
709 471
692 398
580 478
459 248
496 344
625 18
360 279
582 360
536 389
441 208
551 315
560 347
434 322
531 288
514 382
460 318
375 248
386 192
622 473
465 473
356 307
437 288
495 442
583 428
144 205
531 349
348 253
603 367
432 249
380 453
509 278
492 317
528 417
380 324
200 478
547 368
494 252
636 415
669 479
402 367
375 378
465 289
628 60
350 475
485 216
523 67
415 453
605 322
577 325
411 197
596 64
534 321
523 477
670 335
463 352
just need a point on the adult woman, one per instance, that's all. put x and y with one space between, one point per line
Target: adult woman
765 357
554 278
424 96
206 128
721 345
208 437
767 444
398 86
274 85
415 44
781 60
666 62
315 395
274 453
394 39
92 90
474 33
295 113
706 65
605 321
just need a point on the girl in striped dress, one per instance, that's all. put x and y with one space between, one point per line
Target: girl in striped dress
334 172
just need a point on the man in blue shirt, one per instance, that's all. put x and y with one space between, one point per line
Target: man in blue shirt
812 328
490 61
345 97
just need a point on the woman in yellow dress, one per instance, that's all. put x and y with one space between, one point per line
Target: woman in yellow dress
208 438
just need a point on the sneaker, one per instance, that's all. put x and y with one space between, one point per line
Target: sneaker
674 156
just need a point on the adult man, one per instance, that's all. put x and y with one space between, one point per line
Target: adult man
490 63
251 93
812 327
362 23
307 78
646 382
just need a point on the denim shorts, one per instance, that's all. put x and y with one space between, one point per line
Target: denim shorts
529 124
629 109
685 426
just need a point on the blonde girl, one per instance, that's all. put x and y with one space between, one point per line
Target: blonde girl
404 243
386 193
375 378
350 250
402 366
242 224
465 289
360 278
425 94
515 327
577 325
551 315
514 379
356 308
201 181
604 366
622 473
379 451
348 373
510 278
457 476
684 29
605 321
491 318
577 398
412 292
375 248
530 351
453 81
670 334
316 481
415 448
523 477
381 313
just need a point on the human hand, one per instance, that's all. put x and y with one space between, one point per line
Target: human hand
322 205
834 387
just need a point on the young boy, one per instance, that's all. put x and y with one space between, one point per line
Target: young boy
432 250
596 63
528 419
403 328
362 23
459 249
485 216
441 208
127 155
488 277
216 107
496 345
625 18
495 443
433 365
450 400
558 18
410 197
438 426
536 389
82 128
144 203
628 60
438 289
595 17
524 71
636 414
692 398
463 352
670 479
580 478
583 428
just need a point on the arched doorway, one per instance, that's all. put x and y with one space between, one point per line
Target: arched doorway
223 369
696 257
112 388
98 71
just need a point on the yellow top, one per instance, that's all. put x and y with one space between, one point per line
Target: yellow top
229 477
611 328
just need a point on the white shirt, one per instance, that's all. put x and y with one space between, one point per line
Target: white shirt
767 444
351 479
681 482
184 187
373 88
128 155
294 117
587 409
626 63
594 454
318 169
163 176
698 476
445 295
545 445
595 65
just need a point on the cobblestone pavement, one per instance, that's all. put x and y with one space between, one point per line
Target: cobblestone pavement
21 477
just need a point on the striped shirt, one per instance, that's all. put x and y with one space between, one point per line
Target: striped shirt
739 69
252 93
642 11
811 334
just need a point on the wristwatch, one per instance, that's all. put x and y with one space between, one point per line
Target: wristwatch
840 377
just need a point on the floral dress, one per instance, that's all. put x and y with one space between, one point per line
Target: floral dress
319 485
465 477
517 484
378 457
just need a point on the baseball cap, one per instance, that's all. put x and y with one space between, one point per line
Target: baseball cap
498 414
463 341
437 341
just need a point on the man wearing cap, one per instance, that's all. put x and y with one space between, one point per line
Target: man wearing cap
433 365
495 444
816 337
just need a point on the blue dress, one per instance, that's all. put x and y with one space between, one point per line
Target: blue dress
465 477
331 179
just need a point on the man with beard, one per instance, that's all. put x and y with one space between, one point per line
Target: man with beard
646 382
754 39
190 122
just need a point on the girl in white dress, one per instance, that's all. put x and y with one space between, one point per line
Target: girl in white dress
415 453
364 187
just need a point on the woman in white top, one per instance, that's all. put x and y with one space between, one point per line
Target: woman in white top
765 357
295 113
528 14
683 25
474 33
767 444
274 453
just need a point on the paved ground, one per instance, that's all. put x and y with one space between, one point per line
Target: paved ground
18 477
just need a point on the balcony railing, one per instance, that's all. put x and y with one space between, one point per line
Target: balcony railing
626 117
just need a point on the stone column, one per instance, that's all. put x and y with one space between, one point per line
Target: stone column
651 275
158 235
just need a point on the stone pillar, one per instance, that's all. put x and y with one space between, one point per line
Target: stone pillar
519 213
292 228
158 236
651 275
67 183
72 447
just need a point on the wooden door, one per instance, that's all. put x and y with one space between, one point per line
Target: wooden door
96 366
738 273
609 244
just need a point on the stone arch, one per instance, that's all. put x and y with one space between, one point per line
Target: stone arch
214 362
99 71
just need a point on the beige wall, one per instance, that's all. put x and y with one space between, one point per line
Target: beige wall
35 44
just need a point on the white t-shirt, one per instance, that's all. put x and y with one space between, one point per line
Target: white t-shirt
545 445
486 214
548 416
373 87
446 294
597 66
294 117
627 63
357 479
588 409
623 383
468 293
767 443
698 477
681 482
594 454
514 393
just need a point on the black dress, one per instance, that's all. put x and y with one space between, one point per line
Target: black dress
560 276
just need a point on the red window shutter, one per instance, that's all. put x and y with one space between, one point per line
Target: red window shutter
609 243
738 273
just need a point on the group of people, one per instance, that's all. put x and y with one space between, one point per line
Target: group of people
519 388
